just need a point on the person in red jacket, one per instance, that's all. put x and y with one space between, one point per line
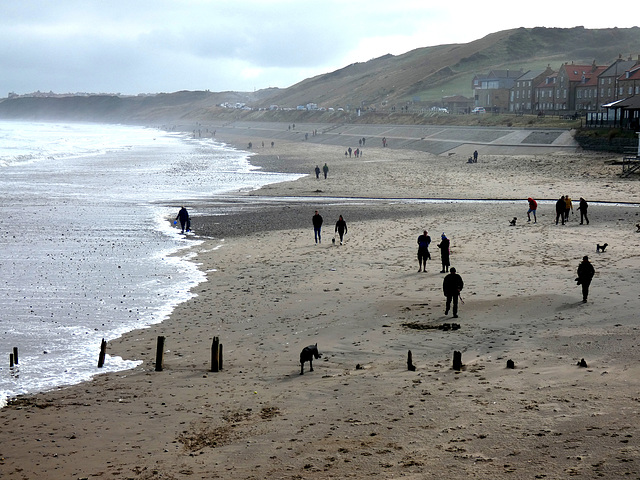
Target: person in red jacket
533 206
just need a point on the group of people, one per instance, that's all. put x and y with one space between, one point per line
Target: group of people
341 227
452 284
564 206
325 170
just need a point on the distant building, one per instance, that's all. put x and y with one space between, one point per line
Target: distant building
523 97
492 91
571 76
608 80
457 104
545 94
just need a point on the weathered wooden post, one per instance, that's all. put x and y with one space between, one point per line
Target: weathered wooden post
457 360
215 355
15 355
410 365
220 357
103 351
159 354
11 360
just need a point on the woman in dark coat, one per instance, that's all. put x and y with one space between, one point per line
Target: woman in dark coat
341 228
444 253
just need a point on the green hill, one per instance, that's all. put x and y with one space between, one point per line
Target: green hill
421 75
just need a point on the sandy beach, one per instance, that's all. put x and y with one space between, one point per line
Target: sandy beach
361 413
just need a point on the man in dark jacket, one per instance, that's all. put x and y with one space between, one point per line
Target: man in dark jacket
585 275
560 208
317 225
584 206
183 216
452 286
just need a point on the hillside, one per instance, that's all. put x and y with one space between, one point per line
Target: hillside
423 75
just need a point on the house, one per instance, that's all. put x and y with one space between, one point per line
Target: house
545 93
569 77
457 104
608 80
629 82
523 93
492 91
586 91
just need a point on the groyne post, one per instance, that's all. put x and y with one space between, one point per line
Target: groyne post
15 355
457 360
215 354
159 354
103 350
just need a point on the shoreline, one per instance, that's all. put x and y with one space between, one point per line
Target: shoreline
271 291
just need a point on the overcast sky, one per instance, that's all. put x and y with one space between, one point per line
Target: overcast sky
144 46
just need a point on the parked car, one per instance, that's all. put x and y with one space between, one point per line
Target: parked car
478 110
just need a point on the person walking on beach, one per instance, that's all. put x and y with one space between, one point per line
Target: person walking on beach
183 216
568 207
560 207
423 251
317 226
583 211
325 170
317 171
444 253
585 275
533 206
475 156
452 286
341 228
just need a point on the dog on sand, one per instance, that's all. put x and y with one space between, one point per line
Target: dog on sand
307 355
601 248
513 222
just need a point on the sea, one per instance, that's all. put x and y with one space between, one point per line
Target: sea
88 245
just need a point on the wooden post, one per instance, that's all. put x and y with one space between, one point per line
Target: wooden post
11 360
220 357
160 354
15 355
215 355
103 350
457 360
410 365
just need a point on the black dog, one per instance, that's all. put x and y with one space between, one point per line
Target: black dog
513 222
601 248
638 227
306 355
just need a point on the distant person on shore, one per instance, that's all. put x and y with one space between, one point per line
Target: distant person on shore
423 251
183 217
317 171
341 228
325 170
363 140
317 226
384 141
584 206
568 207
560 207
533 206
475 156
452 286
350 151
585 275
444 253
272 144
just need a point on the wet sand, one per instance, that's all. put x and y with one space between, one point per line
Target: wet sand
361 413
